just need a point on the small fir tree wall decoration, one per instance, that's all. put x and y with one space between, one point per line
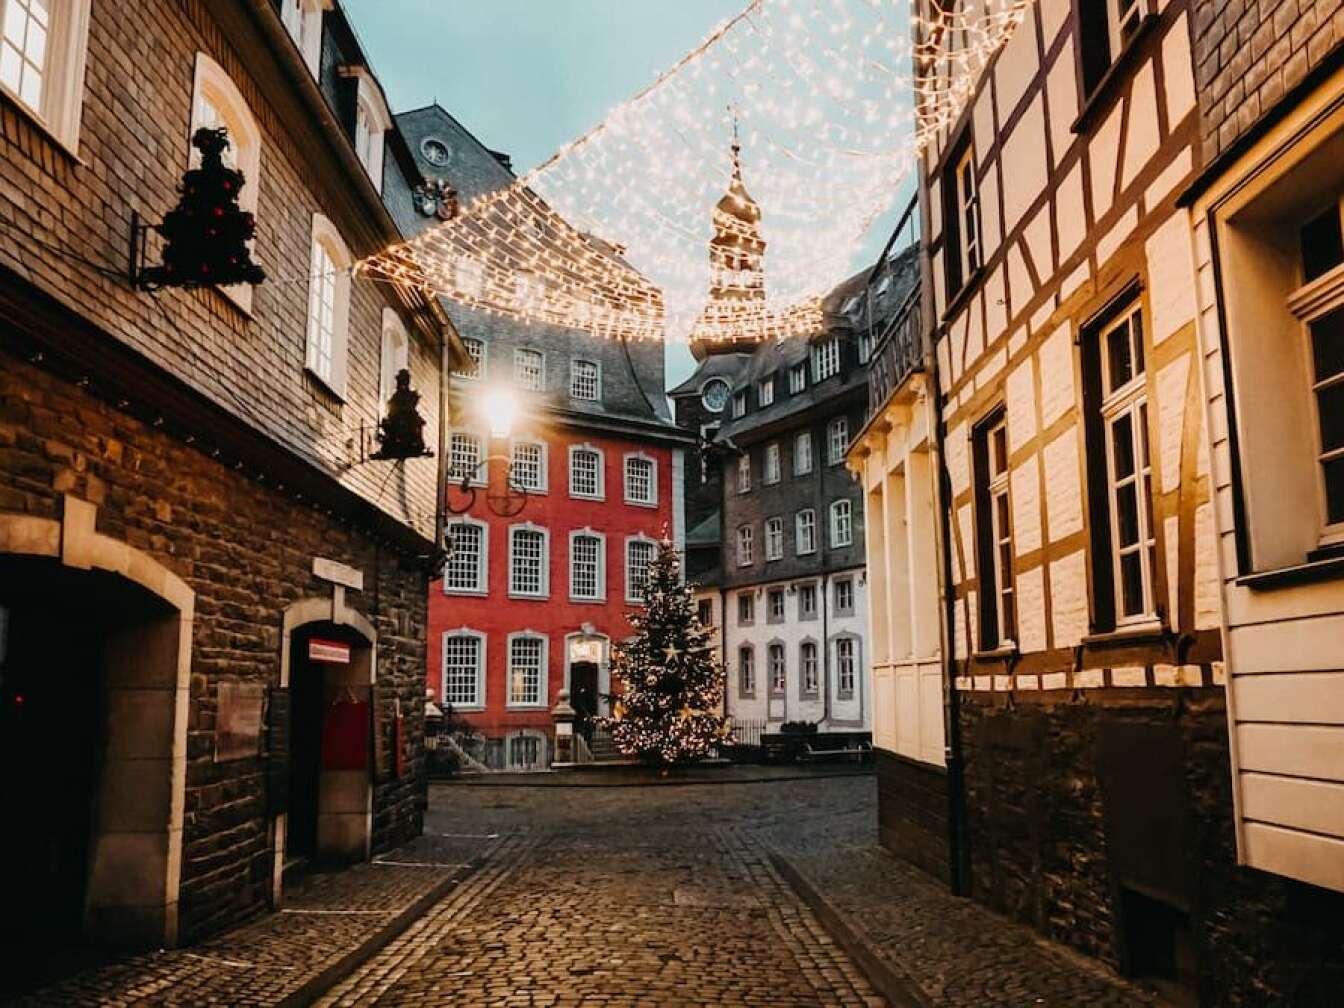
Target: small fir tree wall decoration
668 710
206 234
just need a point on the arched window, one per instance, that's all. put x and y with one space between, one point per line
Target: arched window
328 305
396 356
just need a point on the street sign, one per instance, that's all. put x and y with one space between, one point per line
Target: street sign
328 651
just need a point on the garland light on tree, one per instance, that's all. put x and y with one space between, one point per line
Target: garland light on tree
672 685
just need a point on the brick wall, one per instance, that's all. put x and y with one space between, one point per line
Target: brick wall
246 550
1249 53
912 812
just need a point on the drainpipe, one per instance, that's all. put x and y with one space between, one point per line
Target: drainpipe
824 589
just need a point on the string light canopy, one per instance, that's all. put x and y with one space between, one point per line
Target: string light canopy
822 107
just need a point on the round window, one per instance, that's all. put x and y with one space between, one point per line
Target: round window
714 394
436 152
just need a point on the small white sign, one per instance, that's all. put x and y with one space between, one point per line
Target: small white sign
564 728
338 573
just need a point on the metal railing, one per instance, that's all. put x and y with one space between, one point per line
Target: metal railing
747 732
898 353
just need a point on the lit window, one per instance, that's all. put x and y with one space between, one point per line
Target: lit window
746 609
744 473
527 669
585 473
842 524
844 666
528 465
527 562
584 382
811 677
994 532
765 391
837 440
740 403
638 559
640 485
774 539
42 49
476 351
746 670
529 370
797 378
464 669
772 465
805 523
825 359
328 306
464 456
844 596
465 569
778 669
807 601
395 358
802 454
775 603
744 546
586 567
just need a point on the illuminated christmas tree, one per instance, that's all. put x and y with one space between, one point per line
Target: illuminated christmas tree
672 683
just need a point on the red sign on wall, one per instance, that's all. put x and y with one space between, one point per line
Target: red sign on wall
329 651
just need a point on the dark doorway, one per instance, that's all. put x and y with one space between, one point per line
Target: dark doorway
583 697
307 685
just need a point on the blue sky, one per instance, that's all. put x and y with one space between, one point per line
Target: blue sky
527 75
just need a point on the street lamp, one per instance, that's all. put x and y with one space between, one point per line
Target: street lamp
499 406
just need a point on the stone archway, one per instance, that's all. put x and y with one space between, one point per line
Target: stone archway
135 833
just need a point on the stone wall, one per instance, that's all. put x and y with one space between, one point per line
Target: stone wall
246 550
912 812
1043 850
1250 53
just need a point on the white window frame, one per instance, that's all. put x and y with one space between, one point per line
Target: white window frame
470 342
482 585
641 540
773 469
393 357
848 583
798 378
777 670
329 276
544 575
774 538
805 531
521 369
746 670
803 458
846 668
601 493
480 639
809 671
543 462
372 121
213 89
1130 400
480 471
803 591
303 19
773 595
842 524
575 378
542 700
1123 19
1000 527
744 473
837 439
60 101
631 498
739 403
968 212
765 391
600 581
745 546
825 359
746 608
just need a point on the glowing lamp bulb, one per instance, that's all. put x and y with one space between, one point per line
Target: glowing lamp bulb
499 406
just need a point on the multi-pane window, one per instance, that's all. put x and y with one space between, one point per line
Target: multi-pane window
395 356
844 596
810 673
998 622
844 665
584 382
825 359
837 439
1323 251
638 559
528 465
527 664
585 567
842 524
746 670
774 538
744 473
464 455
465 569
476 351
866 342
529 370
527 562
369 139
802 453
322 312
805 530
1123 18
463 665
772 464
639 480
704 612
775 605
746 609
524 752
807 601
585 472
1124 416
744 546
23 49
797 378
968 213
778 669
740 403
765 391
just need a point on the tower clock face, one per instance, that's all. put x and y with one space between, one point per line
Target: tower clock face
714 394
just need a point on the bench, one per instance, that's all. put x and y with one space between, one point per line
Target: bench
859 749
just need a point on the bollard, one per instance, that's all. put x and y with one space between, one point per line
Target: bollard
563 715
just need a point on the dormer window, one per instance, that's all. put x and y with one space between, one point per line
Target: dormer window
303 20
740 403
825 359
372 121
765 391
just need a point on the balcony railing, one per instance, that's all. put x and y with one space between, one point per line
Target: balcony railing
899 351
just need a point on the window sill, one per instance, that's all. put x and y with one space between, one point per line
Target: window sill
468 592
585 497
963 295
67 148
1002 653
640 503
1107 89
527 706
588 601
1327 567
1153 632
844 613
528 598
464 708
322 383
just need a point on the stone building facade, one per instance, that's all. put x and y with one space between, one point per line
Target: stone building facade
201 571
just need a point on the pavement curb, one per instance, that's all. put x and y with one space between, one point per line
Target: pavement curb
318 984
900 990
515 782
